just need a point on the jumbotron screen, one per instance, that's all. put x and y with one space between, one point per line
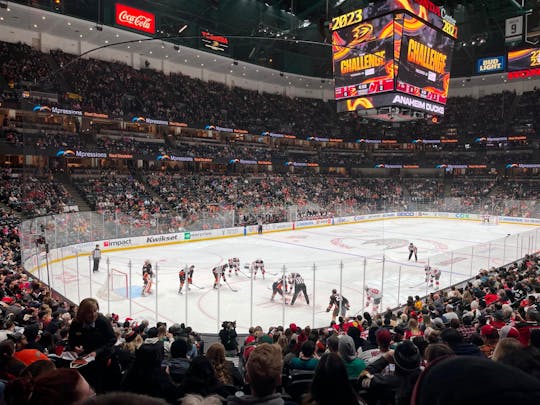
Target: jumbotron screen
363 57
524 59
424 59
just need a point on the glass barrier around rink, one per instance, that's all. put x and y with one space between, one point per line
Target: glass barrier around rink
119 284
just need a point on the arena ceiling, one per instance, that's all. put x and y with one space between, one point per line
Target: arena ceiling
292 35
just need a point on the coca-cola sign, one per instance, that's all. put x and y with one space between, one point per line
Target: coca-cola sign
135 19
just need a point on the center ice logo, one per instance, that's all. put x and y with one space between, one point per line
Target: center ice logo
390 243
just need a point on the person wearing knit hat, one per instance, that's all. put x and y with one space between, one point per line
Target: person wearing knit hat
383 338
407 356
396 388
347 352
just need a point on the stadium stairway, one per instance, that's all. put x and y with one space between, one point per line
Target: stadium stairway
406 193
60 81
67 182
150 190
447 187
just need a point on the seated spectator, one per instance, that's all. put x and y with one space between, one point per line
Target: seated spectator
462 380
10 367
412 329
505 347
263 374
37 368
437 351
331 383
200 378
491 337
347 353
397 388
179 363
306 360
225 370
63 386
454 340
146 376
383 338
24 354
121 398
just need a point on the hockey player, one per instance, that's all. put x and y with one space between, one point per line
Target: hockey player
186 271
148 274
427 271
257 265
335 300
297 281
413 250
375 294
277 287
219 272
234 263
191 269
435 274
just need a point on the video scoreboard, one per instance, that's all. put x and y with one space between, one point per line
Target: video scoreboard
392 48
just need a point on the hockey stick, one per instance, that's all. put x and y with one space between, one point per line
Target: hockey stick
196 286
245 274
228 285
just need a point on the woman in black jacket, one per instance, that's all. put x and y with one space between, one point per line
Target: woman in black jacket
91 335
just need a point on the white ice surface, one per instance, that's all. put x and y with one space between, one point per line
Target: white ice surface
328 254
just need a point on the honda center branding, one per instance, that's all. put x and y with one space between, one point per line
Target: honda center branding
135 19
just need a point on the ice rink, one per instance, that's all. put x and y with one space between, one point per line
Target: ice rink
351 256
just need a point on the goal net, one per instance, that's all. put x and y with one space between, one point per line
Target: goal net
115 287
489 220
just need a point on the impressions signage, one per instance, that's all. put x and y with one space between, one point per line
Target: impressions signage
135 19
223 129
490 65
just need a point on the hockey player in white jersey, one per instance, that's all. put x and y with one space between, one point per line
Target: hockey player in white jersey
234 264
427 270
376 295
257 265
434 275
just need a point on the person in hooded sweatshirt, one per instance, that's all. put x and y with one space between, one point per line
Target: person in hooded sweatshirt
263 374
